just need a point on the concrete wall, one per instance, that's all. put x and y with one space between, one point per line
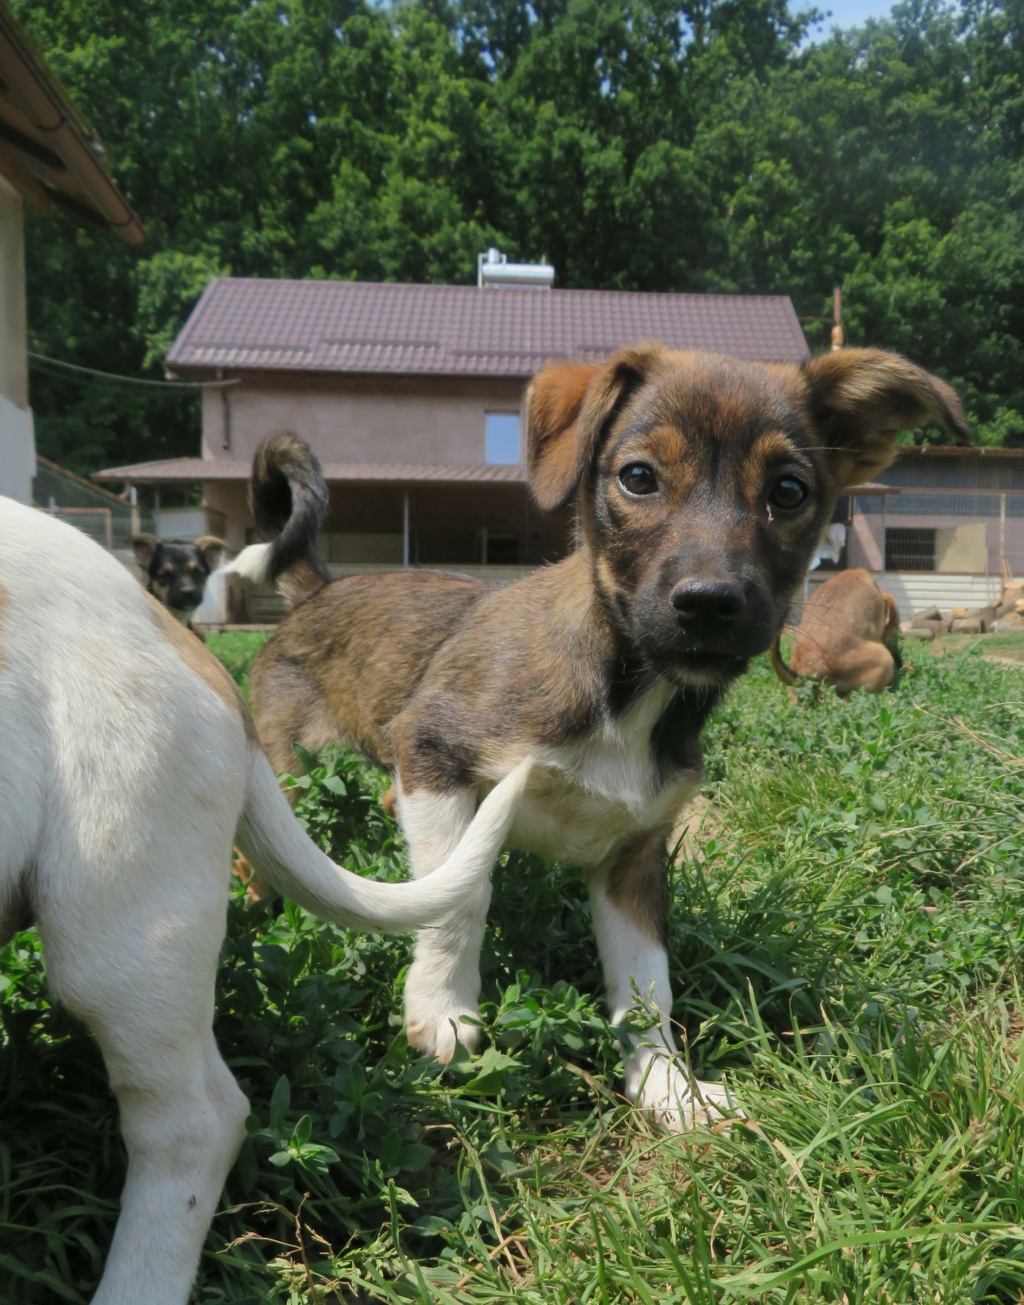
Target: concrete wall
179 522
428 421
17 442
914 591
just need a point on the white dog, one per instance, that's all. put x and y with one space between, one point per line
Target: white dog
128 764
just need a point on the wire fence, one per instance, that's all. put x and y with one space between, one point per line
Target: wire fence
103 516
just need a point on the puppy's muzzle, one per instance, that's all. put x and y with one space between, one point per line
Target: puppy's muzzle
708 610
185 598
720 622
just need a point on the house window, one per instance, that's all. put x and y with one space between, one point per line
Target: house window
910 549
501 437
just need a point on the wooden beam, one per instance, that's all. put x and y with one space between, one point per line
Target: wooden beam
24 183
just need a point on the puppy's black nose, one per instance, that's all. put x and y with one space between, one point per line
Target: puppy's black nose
708 606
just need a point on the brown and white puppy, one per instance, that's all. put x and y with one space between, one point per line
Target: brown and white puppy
704 485
842 637
176 572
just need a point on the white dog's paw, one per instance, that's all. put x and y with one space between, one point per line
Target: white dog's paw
435 1033
435 1021
679 1103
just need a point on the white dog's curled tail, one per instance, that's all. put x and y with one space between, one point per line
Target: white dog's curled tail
252 563
282 853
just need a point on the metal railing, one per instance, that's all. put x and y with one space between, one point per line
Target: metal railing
101 515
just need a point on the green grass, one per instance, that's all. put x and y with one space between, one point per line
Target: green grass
237 649
1010 646
846 951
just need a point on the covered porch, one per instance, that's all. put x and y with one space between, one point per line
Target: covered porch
479 520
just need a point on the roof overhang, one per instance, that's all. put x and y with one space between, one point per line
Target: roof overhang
207 470
47 152
178 471
956 451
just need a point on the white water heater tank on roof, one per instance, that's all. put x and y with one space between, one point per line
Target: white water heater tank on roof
494 269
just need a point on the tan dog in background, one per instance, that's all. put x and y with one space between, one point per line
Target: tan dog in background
842 637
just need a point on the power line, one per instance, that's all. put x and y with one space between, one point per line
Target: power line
131 380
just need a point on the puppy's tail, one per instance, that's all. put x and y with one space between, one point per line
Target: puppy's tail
787 676
288 496
282 854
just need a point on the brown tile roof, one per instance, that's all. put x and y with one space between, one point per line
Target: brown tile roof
450 330
198 469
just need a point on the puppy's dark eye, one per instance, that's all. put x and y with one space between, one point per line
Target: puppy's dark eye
638 478
788 493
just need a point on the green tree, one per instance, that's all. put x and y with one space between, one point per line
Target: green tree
641 144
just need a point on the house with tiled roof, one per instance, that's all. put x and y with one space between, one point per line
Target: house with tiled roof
411 397
49 159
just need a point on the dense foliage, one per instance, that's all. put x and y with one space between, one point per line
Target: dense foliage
635 143
846 943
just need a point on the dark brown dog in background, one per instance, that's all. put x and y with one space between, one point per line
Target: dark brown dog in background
176 571
843 638
703 485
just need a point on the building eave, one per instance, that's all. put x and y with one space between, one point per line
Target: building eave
220 470
47 151
956 451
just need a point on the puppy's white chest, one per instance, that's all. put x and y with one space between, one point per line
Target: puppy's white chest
592 793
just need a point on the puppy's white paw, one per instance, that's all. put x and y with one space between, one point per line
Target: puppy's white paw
679 1103
435 1021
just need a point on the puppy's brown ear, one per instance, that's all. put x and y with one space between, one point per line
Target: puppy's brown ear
144 546
567 407
860 400
211 548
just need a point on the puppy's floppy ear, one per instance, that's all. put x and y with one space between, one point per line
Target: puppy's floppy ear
567 407
145 546
211 548
860 400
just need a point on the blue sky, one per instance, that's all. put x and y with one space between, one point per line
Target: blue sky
849 13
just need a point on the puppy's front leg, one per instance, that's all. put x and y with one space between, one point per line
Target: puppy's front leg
629 901
443 982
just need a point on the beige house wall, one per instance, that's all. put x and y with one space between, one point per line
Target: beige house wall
227 505
427 421
17 443
866 545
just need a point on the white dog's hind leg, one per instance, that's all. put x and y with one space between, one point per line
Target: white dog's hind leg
443 982
143 980
636 975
